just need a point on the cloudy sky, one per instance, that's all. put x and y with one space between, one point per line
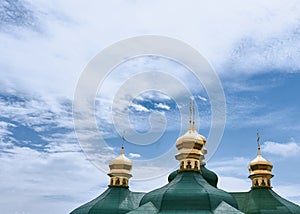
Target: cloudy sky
254 47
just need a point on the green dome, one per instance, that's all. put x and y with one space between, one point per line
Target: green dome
264 201
209 176
113 200
189 191
172 176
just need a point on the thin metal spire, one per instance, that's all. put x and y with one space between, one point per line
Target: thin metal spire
123 140
258 143
192 115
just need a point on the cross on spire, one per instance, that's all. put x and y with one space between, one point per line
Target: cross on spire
123 140
192 115
258 143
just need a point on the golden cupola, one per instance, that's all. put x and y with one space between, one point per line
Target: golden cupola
260 170
120 169
191 147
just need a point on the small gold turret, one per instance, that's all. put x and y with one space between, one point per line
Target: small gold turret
260 170
120 169
191 147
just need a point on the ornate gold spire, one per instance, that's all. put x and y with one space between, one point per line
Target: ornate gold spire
120 169
191 146
260 169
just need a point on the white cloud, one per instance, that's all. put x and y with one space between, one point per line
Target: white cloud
235 166
202 98
162 106
138 107
57 56
134 155
234 184
288 190
232 173
4 129
61 180
289 149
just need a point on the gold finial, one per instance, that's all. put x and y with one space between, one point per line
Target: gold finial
258 143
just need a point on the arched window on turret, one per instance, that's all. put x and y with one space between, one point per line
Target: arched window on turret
196 165
182 165
118 181
189 166
269 183
256 183
111 181
263 182
124 181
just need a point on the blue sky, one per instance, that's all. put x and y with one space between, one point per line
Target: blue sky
45 46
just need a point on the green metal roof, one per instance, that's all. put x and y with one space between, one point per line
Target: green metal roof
188 192
226 208
114 200
172 176
147 208
209 176
264 201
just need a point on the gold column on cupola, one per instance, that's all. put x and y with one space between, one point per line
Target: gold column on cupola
120 169
191 147
260 170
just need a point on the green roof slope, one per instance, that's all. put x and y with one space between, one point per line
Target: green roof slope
264 201
147 208
188 192
207 174
114 200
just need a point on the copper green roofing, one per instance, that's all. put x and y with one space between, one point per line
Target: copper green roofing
264 201
172 176
189 192
209 176
114 200
147 208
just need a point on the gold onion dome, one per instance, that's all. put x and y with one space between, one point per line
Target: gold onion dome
121 159
191 147
120 169
191 135
260 170
259 160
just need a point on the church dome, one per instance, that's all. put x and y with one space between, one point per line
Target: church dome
120 170
259 160
191 135
172 176
191 148
264 201
260 170
209 176
117 198
121 159
113 200
188 190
